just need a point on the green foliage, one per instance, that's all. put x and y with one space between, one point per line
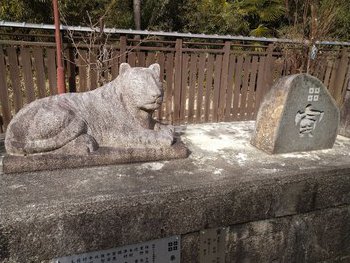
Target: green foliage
264 10
260 31
116 13
329 19
163 15
26 11
213 16
342 21
78 12
262 15
281 18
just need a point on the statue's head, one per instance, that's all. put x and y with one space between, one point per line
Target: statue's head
141 87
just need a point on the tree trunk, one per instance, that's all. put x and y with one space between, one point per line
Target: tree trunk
137 14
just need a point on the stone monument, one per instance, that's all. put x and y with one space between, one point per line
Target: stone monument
344 127
298 114
109 125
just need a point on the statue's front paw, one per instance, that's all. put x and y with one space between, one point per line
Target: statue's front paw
160 127
166 136
170 129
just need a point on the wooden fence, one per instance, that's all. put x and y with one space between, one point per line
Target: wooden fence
203 81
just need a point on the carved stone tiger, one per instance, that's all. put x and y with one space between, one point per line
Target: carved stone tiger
118 114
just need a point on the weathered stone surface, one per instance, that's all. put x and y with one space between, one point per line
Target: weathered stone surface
310 237
224 182
318 236
298 114
344 127
117 115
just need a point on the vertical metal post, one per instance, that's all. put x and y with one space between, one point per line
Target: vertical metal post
60 72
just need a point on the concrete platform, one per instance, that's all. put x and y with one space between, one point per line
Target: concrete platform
280 208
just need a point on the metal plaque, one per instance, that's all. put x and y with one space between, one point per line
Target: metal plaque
165 250
212 243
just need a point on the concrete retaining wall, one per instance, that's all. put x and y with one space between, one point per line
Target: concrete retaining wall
285 208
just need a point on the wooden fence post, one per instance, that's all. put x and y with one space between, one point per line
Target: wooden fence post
201 68
184 87
28 73
223 83
169 83
15 77
4 97
339 87
177 80
192 86
93 70
122 49
83 75
208 86
216 87
230 85
237 89
52 70
259 93
71 65
265 77
40 71
160 112
268 72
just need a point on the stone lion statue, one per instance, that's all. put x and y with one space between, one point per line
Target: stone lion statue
118 114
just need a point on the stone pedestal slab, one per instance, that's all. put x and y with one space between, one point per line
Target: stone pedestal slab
103 156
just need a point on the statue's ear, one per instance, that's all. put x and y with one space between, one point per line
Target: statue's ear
123 68
156 69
